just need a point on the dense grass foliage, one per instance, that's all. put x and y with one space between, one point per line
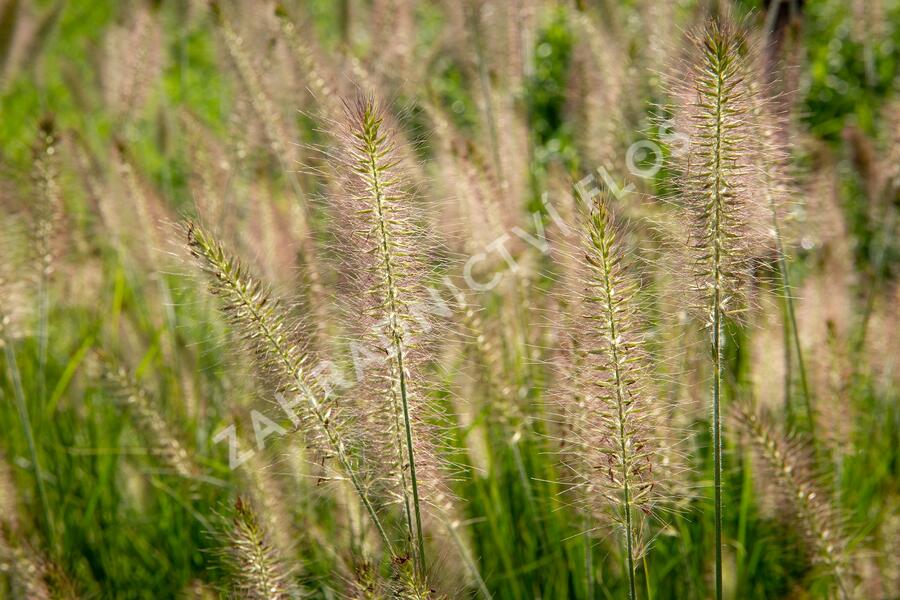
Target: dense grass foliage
449 299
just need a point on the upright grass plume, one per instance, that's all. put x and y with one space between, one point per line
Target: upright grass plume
283 148
249 306
10 304
789 463
376 202
716 192
264 107
617 465
774 182
258 573
316 75
45 175
31 574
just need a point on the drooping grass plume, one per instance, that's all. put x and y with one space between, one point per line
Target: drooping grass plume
813 512
716 190
257 572
612 449
261 322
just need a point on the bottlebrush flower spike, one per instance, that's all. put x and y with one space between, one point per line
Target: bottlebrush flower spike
716 188
617 460
258 573
250 308
386 248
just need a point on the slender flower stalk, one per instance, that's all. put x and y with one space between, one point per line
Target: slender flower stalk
45 174
21 404
250 307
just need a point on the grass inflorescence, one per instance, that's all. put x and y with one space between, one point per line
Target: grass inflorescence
436 300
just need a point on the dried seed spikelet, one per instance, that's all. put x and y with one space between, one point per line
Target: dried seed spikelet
718 180
614 422
387 244
148 420
816 518
257 571
249 307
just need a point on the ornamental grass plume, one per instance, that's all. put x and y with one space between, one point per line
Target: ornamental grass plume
45 174
770 124
386 246
717 188
31 574
320 76
26 569
150 423
257 572
809 507
248 305
281 146
613 451
133 61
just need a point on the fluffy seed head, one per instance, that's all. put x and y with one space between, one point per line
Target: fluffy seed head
717 180
387 247
612 445
257 572
280 358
